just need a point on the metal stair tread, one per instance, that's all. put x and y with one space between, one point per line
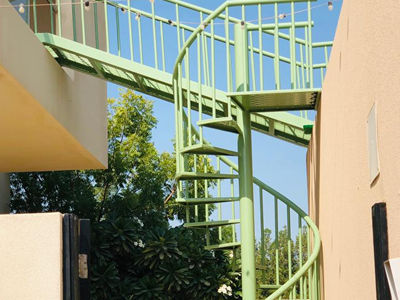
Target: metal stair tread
270 286
277 100
212 223
208 149
194 176
223 246
207 200
223 123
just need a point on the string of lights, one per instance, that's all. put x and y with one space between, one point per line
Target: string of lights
86 3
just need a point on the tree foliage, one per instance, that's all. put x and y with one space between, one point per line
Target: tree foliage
135 252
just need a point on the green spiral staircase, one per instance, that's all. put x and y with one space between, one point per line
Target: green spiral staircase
228 71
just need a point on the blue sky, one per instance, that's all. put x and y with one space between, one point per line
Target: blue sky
280 164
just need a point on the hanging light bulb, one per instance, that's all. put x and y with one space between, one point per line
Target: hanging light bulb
330 5
203 26
170 22
21 8
242 24
151 1
123 10
137 17
282 16
87 5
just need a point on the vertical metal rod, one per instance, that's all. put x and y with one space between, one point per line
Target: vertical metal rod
59 17
83 23
245 170
96 25
178 30
276 51
263 277
74 20
293 46
307 57
260 45
162 45
206 206
106 25
276 242
303 85
214 107
140 40
233 209
200 84
52 16
300 254
219 195
130 30
289 244
118 31
35 26
253 73
310 44
155 36
228 60
196 207
188 93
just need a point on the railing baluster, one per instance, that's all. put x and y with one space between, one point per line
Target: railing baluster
293 47
83 23
276 51
130 30
260 45
310 43
196 207
263 277
52 16
106 25
162 46
200 84
253 73
118 31
276 241
59 17
289 244
35 25
300 255
154 36
206 196
219 195
139 22
188 93
96 25
214 108
233 209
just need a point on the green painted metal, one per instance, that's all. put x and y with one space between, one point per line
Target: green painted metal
249 99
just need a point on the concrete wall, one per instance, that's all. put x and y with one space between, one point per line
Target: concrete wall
50 119
364 69
31 257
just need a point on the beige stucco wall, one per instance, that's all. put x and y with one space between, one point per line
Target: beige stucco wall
50 118
31 256
364 68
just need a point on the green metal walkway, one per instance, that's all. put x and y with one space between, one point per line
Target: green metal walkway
238 68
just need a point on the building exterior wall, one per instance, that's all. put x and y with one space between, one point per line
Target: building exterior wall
364 69
31 257
51 118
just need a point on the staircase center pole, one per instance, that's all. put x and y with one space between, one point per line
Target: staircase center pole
245 169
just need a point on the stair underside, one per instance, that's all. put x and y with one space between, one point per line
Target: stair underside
211 223
194 176
208 149
223 123
151 81
281 100
209 200
225 246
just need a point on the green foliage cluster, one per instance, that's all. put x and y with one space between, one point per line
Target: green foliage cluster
135 253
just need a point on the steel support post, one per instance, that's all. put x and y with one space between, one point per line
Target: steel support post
245 169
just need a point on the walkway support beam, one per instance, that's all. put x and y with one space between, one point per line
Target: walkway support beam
245 168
